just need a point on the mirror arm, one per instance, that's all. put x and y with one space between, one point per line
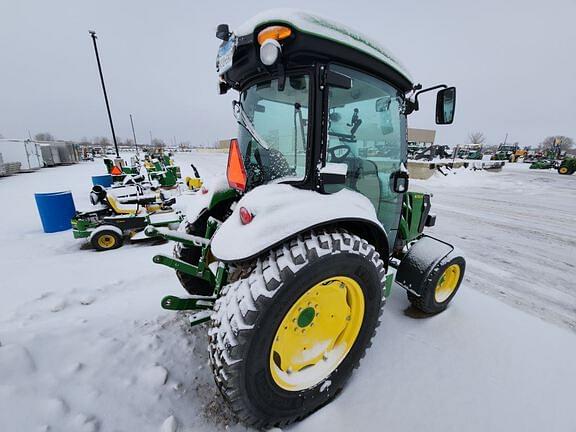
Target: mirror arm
416 104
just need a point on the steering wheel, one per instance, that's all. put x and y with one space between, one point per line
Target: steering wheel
332 151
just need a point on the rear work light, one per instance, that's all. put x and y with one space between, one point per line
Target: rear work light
235 171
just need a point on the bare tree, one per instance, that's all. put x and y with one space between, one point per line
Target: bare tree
101 141
476 138
564 143
44 136
157 142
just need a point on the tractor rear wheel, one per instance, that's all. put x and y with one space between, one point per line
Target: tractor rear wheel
441 286
285 339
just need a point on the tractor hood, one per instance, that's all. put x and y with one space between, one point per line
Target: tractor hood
280 212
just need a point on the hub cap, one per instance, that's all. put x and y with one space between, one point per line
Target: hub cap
447 283
317 333
106 241
563 170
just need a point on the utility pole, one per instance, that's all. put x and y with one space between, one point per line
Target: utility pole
93 35
134 134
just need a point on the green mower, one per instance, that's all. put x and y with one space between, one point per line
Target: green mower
291 264
113 220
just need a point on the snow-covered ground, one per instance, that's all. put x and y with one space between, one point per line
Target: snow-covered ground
518 230
85 346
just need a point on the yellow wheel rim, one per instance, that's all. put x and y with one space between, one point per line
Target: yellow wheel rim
563 170
447 283
317 333
106 241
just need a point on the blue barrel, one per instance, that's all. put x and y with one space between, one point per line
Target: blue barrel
56 210
102 180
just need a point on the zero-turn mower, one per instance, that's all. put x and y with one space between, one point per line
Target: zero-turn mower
114 218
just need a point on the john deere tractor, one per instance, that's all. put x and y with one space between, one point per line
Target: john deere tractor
291 262
568 166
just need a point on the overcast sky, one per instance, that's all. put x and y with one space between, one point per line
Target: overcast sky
513 63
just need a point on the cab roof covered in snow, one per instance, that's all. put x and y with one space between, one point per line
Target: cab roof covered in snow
321 27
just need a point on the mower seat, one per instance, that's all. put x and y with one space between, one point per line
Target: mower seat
120 208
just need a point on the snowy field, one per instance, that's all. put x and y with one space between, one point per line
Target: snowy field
85 346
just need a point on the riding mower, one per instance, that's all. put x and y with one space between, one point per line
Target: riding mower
162 170
291 265
542 164
114 219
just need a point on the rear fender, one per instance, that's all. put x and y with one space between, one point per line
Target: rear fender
281 212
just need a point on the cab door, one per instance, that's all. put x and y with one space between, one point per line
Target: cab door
366 130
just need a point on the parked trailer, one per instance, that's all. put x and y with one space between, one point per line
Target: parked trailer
3 168
50 155
26 152
69 153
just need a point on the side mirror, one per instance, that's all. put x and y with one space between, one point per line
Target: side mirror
333 173
400 181
383 104
445 106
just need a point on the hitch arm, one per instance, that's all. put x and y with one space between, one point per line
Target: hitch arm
180 237
184 267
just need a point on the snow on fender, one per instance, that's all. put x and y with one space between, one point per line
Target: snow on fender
105 228
281 211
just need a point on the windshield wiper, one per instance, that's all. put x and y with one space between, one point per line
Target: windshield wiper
244 120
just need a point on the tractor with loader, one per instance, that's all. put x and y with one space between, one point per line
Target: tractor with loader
290 262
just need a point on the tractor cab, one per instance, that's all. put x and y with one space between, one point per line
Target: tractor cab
320 107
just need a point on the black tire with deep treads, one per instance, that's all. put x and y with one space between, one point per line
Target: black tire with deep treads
247 315
427 302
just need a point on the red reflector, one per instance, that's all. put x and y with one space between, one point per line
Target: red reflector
245 216
116 171
236 172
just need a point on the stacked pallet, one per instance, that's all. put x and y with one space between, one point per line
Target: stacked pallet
9 168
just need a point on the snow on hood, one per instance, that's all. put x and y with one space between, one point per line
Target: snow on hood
327 29
280 211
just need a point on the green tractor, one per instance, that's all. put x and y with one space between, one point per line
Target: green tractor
292 261
567 167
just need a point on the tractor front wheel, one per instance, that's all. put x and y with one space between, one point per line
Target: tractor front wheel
192 284
441 286
285 339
